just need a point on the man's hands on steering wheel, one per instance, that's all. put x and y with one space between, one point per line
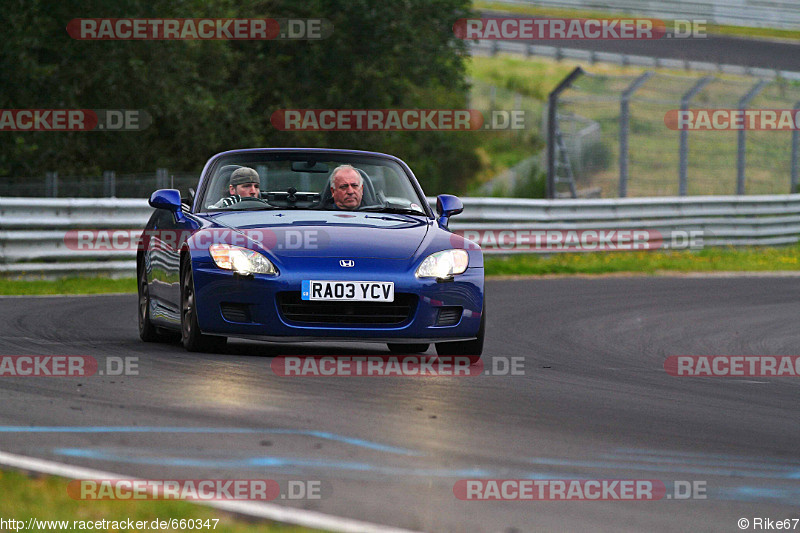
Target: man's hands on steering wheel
237 199
230 200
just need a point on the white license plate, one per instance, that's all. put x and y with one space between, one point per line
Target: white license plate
352 291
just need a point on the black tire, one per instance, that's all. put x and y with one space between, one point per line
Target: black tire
408 348
472 349
147 331
191 337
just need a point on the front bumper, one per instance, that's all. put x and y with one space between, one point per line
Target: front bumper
263 319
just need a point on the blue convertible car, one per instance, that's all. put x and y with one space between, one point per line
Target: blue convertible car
294 245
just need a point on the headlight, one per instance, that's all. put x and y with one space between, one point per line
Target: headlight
444 264
241 260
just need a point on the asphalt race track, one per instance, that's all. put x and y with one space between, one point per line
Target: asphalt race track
594 402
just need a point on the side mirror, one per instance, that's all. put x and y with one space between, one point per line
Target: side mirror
447 206
169 199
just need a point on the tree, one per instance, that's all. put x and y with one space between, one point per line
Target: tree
209 96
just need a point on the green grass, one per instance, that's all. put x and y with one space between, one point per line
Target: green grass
754 259
45 498
527 76
742 31
66 286
500 151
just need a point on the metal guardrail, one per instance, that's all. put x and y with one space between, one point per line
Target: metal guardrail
32 231
50 213
722 220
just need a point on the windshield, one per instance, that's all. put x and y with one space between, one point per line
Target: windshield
328 182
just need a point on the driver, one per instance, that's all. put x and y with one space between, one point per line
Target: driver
244 183
347 187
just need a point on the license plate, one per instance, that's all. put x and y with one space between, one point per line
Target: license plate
352 291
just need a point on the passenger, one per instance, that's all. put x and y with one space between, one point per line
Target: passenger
244 182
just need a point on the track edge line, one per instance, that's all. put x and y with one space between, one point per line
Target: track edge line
269 511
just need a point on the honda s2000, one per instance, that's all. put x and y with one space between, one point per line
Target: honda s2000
290 245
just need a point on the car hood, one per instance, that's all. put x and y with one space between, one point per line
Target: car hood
347 235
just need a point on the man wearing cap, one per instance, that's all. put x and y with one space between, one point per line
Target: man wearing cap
244 182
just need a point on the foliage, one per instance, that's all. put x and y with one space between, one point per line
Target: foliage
209 96
531 185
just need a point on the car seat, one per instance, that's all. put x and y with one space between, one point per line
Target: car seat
222 182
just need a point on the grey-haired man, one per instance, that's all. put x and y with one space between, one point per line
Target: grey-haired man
347 187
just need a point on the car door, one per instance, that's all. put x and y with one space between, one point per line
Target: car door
163 258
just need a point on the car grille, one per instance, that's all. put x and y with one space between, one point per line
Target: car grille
294 309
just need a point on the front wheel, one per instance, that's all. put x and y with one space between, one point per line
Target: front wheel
191 337
472 349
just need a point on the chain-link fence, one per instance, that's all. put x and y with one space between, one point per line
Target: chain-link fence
614 130
109 184
486 97
517 179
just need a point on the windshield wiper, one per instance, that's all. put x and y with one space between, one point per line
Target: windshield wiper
393 210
